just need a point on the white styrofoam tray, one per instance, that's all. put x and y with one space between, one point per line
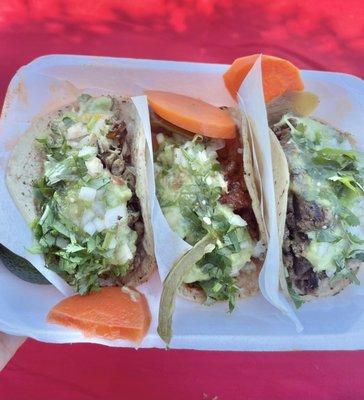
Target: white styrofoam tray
51 81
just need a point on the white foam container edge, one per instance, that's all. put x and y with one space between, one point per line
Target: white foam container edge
330 324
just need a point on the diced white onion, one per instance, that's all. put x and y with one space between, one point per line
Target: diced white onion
76 131
160 138
112 244
114 214
236 220
84 142
87 193
209 248
88 215
100 124
98 207
201 156
222 183
100 194
244 245
124 253
100 224
330 272
87 151
94 166
90 228
179 158
73 144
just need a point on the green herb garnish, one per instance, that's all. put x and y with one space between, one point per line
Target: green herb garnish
296 298
192 170
81 257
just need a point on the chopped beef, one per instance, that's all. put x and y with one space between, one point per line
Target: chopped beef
102 147
310 215
300 270
118 167
129 176
117 159
139 227
118 132
290 218
134 217
307 280
236 195
134 204
283 133
301 267
107 158
302 216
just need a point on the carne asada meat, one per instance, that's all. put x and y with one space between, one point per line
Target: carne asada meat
118 161
302 217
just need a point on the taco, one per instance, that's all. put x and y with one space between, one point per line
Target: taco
79 176
321 203
207 192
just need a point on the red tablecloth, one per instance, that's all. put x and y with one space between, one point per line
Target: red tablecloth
326 35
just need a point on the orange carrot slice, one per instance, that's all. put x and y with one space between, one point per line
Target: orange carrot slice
111 313
191 114
279 75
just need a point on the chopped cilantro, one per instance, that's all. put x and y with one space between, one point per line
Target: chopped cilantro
336 158
296 298
326 170
348 216
354 238
81 258
327 235
193 171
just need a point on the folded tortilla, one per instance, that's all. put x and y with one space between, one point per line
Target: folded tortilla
302 218
247 278
26 166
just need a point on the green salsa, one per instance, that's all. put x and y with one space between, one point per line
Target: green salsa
83 228
189 185
325 169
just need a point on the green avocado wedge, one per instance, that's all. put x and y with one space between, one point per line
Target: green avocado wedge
20 267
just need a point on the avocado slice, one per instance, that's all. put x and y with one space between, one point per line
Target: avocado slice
21 267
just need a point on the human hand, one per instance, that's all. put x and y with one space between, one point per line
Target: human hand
8 346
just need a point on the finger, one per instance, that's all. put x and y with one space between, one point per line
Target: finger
8 346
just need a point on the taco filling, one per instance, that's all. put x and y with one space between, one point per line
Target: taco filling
90 226
201 190
324 237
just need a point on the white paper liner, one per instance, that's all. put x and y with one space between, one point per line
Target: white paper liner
334 323
251 101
